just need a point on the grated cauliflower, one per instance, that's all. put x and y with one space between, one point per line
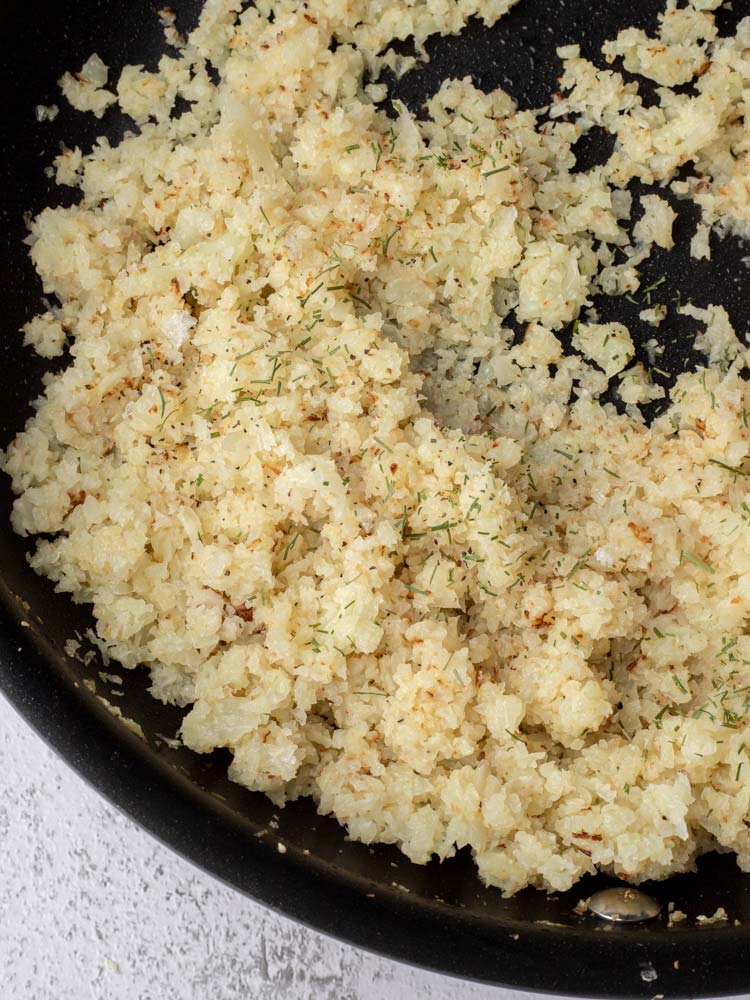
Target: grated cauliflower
387 554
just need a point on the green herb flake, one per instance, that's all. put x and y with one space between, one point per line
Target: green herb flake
695 560
660 716
303 301
581 563
387 241
496 170
729 468
657 284
290 546
679 685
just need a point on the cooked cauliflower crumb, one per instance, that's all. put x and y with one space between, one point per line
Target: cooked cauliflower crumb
609 345
677 55
655 315
46 113
655 225
389 553
85 90
718 342
700 244
45 334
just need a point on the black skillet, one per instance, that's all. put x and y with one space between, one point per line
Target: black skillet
439 916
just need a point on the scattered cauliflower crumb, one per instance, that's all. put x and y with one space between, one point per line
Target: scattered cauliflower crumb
46 112
719 917
114 710
85 90
700 244
168 20
655 225
654 316
71 647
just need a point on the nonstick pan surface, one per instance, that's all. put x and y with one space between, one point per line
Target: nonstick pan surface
438 916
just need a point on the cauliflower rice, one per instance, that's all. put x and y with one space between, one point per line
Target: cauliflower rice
299 467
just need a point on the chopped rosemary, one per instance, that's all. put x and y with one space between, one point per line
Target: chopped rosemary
290 546
496 170
387 241
306 299
163 401
581 563
657 284
679 685
729 468
660 716
695 560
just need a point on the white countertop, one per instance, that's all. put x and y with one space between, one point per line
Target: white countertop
92 908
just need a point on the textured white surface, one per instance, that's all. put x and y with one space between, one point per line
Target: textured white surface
91 908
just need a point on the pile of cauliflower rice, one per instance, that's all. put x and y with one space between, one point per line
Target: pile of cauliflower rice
390 555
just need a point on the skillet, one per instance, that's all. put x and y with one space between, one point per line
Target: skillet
438 916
